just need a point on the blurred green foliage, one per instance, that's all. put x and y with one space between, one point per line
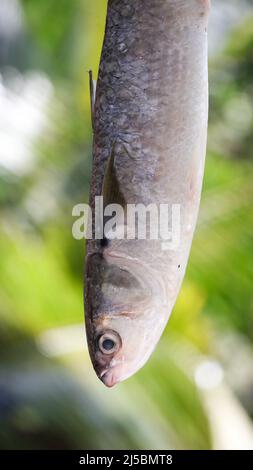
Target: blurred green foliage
57 402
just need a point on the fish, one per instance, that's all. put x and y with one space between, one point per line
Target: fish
150 119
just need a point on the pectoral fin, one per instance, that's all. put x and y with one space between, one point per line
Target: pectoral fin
111 191
92 84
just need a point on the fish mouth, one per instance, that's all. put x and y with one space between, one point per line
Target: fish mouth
114 375
109 378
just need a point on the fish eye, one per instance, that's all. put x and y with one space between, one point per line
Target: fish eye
109 342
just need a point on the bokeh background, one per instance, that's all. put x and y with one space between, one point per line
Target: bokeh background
196 392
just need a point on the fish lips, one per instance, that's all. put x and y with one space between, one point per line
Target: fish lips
109 377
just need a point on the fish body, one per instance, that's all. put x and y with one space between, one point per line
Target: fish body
150 130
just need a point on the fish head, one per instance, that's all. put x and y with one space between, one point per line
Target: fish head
120 347
123 318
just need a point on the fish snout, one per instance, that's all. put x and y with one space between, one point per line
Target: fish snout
109 378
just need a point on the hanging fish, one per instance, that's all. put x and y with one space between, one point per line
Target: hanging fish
150 128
